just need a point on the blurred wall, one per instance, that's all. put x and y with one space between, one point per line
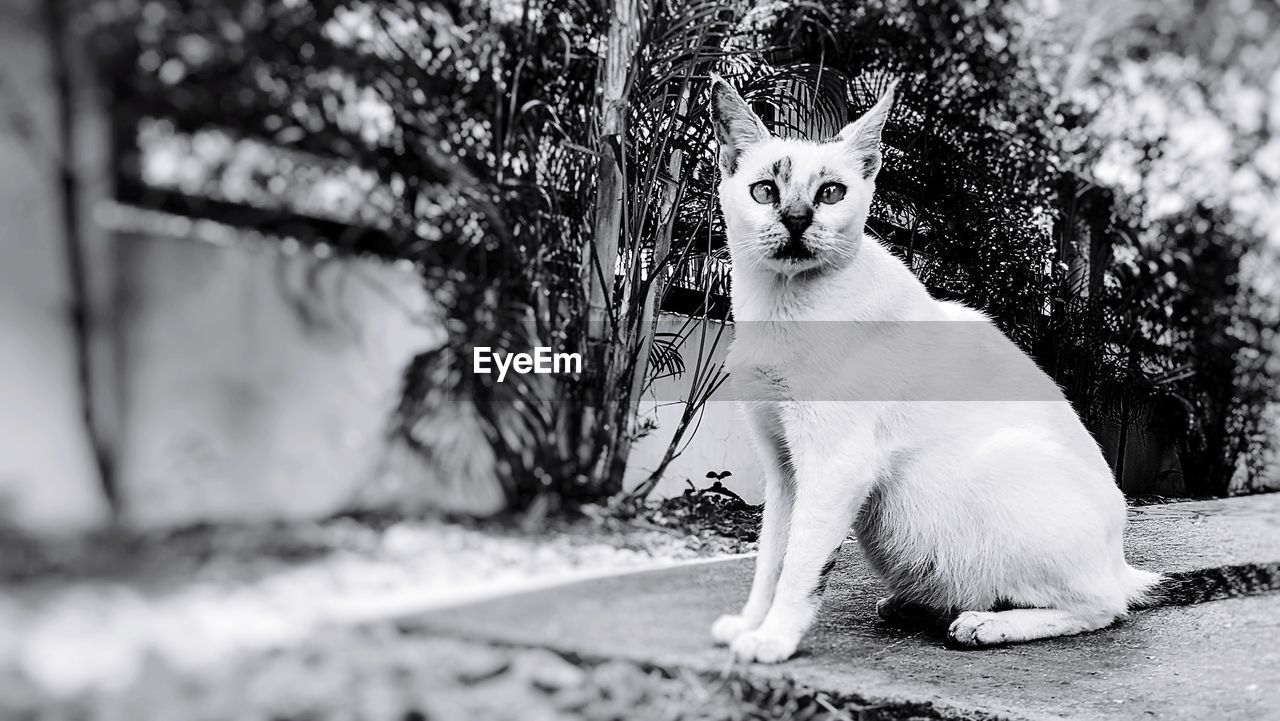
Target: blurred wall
258 384
720 444
1151 466
1246 481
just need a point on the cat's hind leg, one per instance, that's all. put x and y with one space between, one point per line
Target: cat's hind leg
893 609
993 628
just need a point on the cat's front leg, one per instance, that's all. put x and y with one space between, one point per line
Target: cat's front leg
828 495
765 427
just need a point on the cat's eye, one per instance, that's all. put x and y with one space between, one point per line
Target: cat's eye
764 192
831 193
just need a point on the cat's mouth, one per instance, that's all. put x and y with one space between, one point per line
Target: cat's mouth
795 262
794 250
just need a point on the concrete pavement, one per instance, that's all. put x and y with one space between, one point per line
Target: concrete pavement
1219 660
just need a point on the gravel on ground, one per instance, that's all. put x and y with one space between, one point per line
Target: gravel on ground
91 613
381 672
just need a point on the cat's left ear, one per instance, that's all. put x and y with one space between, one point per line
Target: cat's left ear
861 138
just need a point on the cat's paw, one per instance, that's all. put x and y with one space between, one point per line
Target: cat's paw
979 628
728 627
761 647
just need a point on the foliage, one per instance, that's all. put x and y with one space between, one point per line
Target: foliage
1207 336
1165 122
713 511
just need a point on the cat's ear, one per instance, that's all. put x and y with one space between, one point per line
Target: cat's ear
737 126
861 138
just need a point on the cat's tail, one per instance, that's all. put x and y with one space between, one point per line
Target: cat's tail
1183 588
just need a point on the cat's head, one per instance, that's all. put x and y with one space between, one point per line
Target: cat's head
794 206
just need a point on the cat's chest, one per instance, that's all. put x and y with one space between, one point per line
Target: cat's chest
764 383
768 367
817 362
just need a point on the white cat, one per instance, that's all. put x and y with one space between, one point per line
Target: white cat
969 480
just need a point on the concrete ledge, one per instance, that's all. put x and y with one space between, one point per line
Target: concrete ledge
1215 660
1204 534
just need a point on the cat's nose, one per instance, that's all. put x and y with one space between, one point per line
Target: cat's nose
797 222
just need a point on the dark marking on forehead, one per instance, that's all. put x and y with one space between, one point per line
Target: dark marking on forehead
782 171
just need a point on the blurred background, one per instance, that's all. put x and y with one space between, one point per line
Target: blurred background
243 239
245 242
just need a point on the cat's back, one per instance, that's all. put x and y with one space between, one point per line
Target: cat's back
951 310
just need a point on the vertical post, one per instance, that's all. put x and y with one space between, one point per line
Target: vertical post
610 203
648 310
609 334
48 478
69 84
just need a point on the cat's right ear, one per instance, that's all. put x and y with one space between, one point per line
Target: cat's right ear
737 126
862 136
